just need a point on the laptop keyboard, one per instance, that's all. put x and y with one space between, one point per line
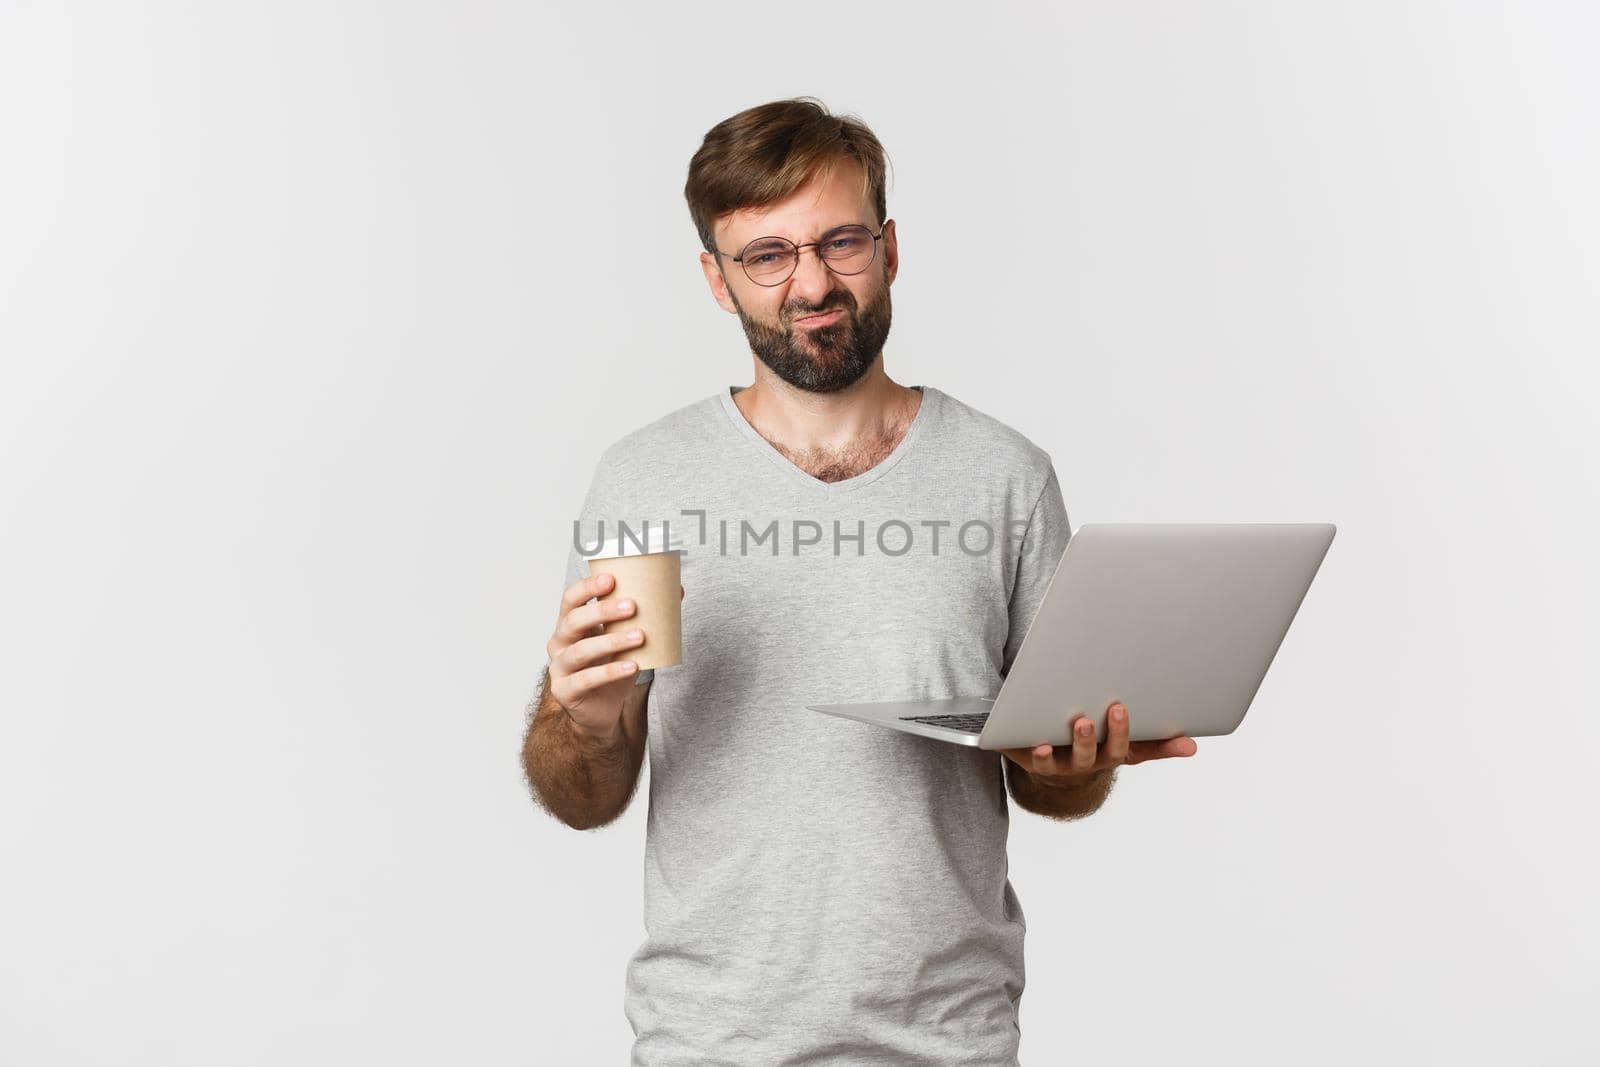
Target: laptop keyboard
967 724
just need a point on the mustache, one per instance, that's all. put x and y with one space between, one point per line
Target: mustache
823 310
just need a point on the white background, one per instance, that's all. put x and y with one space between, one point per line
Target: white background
305 309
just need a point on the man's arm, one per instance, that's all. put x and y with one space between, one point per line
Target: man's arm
1076 801
582 778
1039 554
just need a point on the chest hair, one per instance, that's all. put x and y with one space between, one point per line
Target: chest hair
860 457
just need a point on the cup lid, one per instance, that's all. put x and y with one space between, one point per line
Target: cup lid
619 542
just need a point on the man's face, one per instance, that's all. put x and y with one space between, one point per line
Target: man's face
824 357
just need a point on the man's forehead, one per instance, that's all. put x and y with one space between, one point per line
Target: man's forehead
812 211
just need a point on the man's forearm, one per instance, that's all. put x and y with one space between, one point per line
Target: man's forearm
1083 797
583 780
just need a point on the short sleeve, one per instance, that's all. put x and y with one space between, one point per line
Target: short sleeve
583 527
1042 545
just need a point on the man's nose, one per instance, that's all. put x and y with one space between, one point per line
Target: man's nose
812 279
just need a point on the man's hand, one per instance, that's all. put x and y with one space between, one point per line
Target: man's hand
1065 765
586 678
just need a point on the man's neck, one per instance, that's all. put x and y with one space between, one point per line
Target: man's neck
827 424
831 436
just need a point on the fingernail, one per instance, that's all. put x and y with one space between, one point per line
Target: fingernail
624 604
1118 712
1084 728
634 635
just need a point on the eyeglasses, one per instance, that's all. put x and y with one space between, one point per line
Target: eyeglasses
770 260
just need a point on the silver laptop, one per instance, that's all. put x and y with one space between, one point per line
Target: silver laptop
1178 621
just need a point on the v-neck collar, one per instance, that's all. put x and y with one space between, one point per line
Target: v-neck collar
926 411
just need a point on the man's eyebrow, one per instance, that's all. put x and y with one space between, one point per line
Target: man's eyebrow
841 226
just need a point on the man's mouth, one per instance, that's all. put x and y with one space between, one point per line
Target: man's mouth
822 319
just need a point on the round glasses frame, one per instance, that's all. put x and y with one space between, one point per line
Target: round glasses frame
795 265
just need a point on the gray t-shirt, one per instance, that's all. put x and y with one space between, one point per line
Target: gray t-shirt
818 890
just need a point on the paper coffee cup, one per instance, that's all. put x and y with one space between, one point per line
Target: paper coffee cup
651 579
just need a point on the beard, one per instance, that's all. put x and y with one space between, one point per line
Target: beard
824 359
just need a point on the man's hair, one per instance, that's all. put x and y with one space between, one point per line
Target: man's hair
763 154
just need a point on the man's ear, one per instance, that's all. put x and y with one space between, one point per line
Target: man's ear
891 252
718 284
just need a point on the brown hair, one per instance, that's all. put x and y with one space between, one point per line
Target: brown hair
763 154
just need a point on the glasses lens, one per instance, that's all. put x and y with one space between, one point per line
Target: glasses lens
769 260
849 250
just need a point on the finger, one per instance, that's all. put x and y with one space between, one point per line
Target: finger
1022 757
1140 751
593 650
1117 734
581 621
680 592
1083 745
578 686
1042 760
574 596
584 590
